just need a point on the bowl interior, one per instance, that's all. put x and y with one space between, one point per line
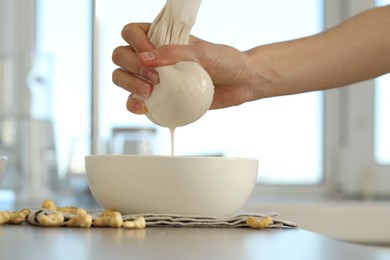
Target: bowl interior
135 184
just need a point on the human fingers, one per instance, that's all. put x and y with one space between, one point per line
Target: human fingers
168 55
135 105
131 83
135 34
126 58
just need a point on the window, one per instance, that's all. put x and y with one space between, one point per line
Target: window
328 141
382 120
68 42
363 167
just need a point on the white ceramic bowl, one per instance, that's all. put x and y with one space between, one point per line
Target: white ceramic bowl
136 184
3 162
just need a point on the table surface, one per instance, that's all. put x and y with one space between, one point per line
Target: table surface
30 242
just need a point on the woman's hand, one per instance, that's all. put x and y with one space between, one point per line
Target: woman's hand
233 76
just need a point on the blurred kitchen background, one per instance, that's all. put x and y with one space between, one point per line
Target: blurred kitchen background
324 157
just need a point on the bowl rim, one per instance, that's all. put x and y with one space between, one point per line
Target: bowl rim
169 157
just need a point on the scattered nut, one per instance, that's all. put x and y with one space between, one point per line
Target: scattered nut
49 204
50 219
15 217
109 218
259 223
72 210
138 223
19 217
107 213
53 216
4 217
56 217
80 220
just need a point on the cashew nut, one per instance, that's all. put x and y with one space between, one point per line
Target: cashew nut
259 223
4 217
109 218
15 217
72 210
19 217
138 223
49 204
50 219
80 220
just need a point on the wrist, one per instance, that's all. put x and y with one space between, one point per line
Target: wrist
262 77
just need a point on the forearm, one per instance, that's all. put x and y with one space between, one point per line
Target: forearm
356 50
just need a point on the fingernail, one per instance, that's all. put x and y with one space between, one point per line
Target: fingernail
143 88
140 107
152 75
147 56
136 105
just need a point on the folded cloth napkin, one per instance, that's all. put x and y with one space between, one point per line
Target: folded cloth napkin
235 221
238 220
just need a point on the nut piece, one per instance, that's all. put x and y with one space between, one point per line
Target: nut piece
4 217
50 219
80 220
49 204
109 218
72 210
259 223
15 217
19 217
138 223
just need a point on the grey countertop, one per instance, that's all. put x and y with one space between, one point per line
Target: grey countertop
30 242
